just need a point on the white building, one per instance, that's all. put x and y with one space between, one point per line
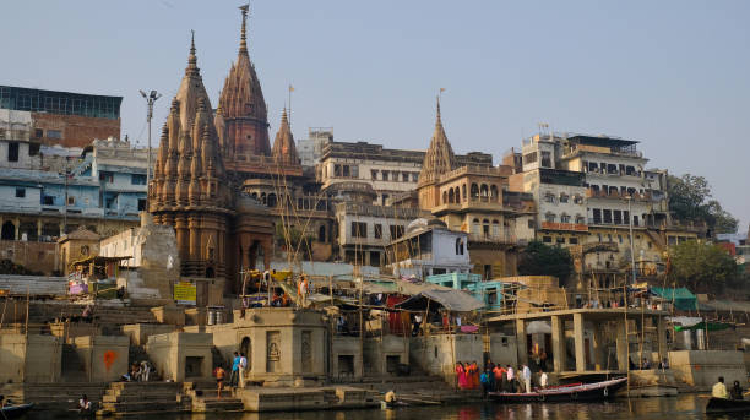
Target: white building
429 248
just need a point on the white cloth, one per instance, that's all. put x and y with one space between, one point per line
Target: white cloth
543 380
509 374
526 373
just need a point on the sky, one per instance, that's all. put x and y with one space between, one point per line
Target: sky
670 74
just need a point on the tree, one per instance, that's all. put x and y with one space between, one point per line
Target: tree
702 267
689 199
539 259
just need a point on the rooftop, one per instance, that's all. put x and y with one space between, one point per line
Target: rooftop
61 103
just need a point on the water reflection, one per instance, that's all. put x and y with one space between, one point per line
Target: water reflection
677 408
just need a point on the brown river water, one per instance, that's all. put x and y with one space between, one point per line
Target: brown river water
676 408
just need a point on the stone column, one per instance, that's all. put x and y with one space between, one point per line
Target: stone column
579 342
661 338
621 343
18 228
522 350
558 343
39 225
599 361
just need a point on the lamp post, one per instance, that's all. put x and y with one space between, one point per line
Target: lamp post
150 99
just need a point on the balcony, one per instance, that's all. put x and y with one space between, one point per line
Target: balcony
500 238
576 227
644 197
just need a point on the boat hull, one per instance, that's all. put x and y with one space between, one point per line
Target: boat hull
721 405
15 411
598 391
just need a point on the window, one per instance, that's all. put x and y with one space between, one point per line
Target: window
397 231
649 244
405 177
619 238
71 201
48 200
359 230
530 224
459 247
137 179
39 132
415 176
578 199
546 239
618 217
597 215
54 134
607 216
573 241
561 240
141 204
564 218
564 198
108 177
13 151
549 217
549 198
33 149
546 161
374 174
378 231
580 220
20 192
530 158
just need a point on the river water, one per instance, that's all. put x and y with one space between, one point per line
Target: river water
676 408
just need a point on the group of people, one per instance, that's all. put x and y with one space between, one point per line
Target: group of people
138 372
496 378
719 390
237 378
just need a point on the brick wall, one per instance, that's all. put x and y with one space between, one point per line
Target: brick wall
77 131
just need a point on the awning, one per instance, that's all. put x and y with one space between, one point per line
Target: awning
683 299
710 326
450 299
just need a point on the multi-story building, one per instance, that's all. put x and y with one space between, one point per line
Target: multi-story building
389 171
429 248
590 192
476 199
65 118
311 150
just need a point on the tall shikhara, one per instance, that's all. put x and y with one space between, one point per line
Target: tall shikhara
189 190
284 151
438 161
241 117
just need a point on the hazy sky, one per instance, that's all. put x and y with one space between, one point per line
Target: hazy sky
671 74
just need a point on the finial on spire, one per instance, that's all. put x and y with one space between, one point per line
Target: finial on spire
192 60
244 9
284 117
437 117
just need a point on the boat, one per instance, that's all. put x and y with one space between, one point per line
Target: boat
595 391
14 411
390 405
723 405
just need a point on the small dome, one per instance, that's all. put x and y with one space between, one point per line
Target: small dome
424 224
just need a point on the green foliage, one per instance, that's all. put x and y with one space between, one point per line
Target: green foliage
539 259
702 267
689 199
295 238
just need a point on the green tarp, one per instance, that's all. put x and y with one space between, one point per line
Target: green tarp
683 299
711 326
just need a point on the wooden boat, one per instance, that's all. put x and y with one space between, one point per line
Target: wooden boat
596 391
723 405
14 411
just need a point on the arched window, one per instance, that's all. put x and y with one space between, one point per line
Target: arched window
475 227
493 192
484 192
322 233
458 194
271 200
463 188
474 192
486 227
450 195
263 198
495 228
459 247
445 197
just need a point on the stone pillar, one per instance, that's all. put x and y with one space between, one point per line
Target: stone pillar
661 337
579 342
599 358
522 350
558 343
18 228
621 343
39 226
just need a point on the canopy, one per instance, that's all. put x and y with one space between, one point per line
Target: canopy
710 326
450 299
683 299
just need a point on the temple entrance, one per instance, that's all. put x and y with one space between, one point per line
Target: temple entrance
8 231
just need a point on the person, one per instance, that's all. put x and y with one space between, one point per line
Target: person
145 370
510 378
460 376
219 380
646 365
499 373
736 391
84 404
474 375
719 390
543 379
484 379
340 324
491 372
135 373
417 323
243 368
526 378
390 397
235 370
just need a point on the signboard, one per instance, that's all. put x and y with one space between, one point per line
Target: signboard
184 293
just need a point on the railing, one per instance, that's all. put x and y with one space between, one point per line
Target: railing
617 194
504 238
580 227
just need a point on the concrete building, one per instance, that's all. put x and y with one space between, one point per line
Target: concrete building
65 118
429 248
311 150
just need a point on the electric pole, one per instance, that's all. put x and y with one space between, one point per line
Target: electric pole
150 99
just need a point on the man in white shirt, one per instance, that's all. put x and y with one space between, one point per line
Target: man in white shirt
543 379
526 378
509 376
243 368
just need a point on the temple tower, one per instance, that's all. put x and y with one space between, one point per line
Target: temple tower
438 161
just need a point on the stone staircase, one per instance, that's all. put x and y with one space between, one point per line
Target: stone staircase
62 396
131 398
205 398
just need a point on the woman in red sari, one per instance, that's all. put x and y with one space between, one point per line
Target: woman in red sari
474 376
461 376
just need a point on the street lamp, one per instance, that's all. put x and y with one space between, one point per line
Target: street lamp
150 99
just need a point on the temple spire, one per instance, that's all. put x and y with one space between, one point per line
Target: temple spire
437 115
192 67
243 44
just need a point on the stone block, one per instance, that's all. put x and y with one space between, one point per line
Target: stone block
105 358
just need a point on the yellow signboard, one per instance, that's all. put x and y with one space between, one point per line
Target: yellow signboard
184 293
